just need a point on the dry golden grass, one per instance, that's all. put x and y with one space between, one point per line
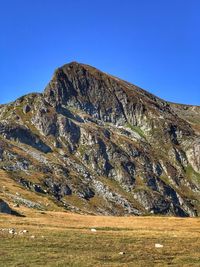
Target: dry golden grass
65 239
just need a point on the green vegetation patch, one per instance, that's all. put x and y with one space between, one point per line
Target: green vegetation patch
192 174
136 129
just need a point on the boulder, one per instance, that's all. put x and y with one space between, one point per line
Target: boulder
4 207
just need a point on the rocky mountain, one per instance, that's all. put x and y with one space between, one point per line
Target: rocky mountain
93 143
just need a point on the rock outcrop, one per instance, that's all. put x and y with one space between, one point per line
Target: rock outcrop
4 207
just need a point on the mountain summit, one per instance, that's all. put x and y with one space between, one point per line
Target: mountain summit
93 143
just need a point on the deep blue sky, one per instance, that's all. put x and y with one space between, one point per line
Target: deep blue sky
152 43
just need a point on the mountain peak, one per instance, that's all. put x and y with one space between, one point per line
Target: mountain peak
96 92
78 68
99 138
77 65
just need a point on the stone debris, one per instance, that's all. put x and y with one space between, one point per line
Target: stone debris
158 246
28 203
21 232
11 231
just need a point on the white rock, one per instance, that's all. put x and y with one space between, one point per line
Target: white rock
93 230
11 231
23 232
158 246
32 236
122 253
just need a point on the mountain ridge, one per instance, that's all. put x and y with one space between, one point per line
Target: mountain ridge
96 144
111 76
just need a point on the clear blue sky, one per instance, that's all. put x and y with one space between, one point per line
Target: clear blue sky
152 43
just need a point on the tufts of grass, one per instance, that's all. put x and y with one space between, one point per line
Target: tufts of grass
136 129
192 174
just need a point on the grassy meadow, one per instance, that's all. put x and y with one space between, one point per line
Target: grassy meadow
66 239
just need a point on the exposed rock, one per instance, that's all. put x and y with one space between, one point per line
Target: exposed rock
26 202
4 207
158 246
21 134
26 109
57 189
122 253
11 231
29 185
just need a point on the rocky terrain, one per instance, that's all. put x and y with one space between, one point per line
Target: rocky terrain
95 144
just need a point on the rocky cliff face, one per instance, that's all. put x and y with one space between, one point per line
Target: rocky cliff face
97 144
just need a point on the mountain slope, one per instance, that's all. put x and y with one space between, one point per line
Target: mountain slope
96 144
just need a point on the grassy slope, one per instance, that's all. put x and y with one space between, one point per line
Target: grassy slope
65 239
